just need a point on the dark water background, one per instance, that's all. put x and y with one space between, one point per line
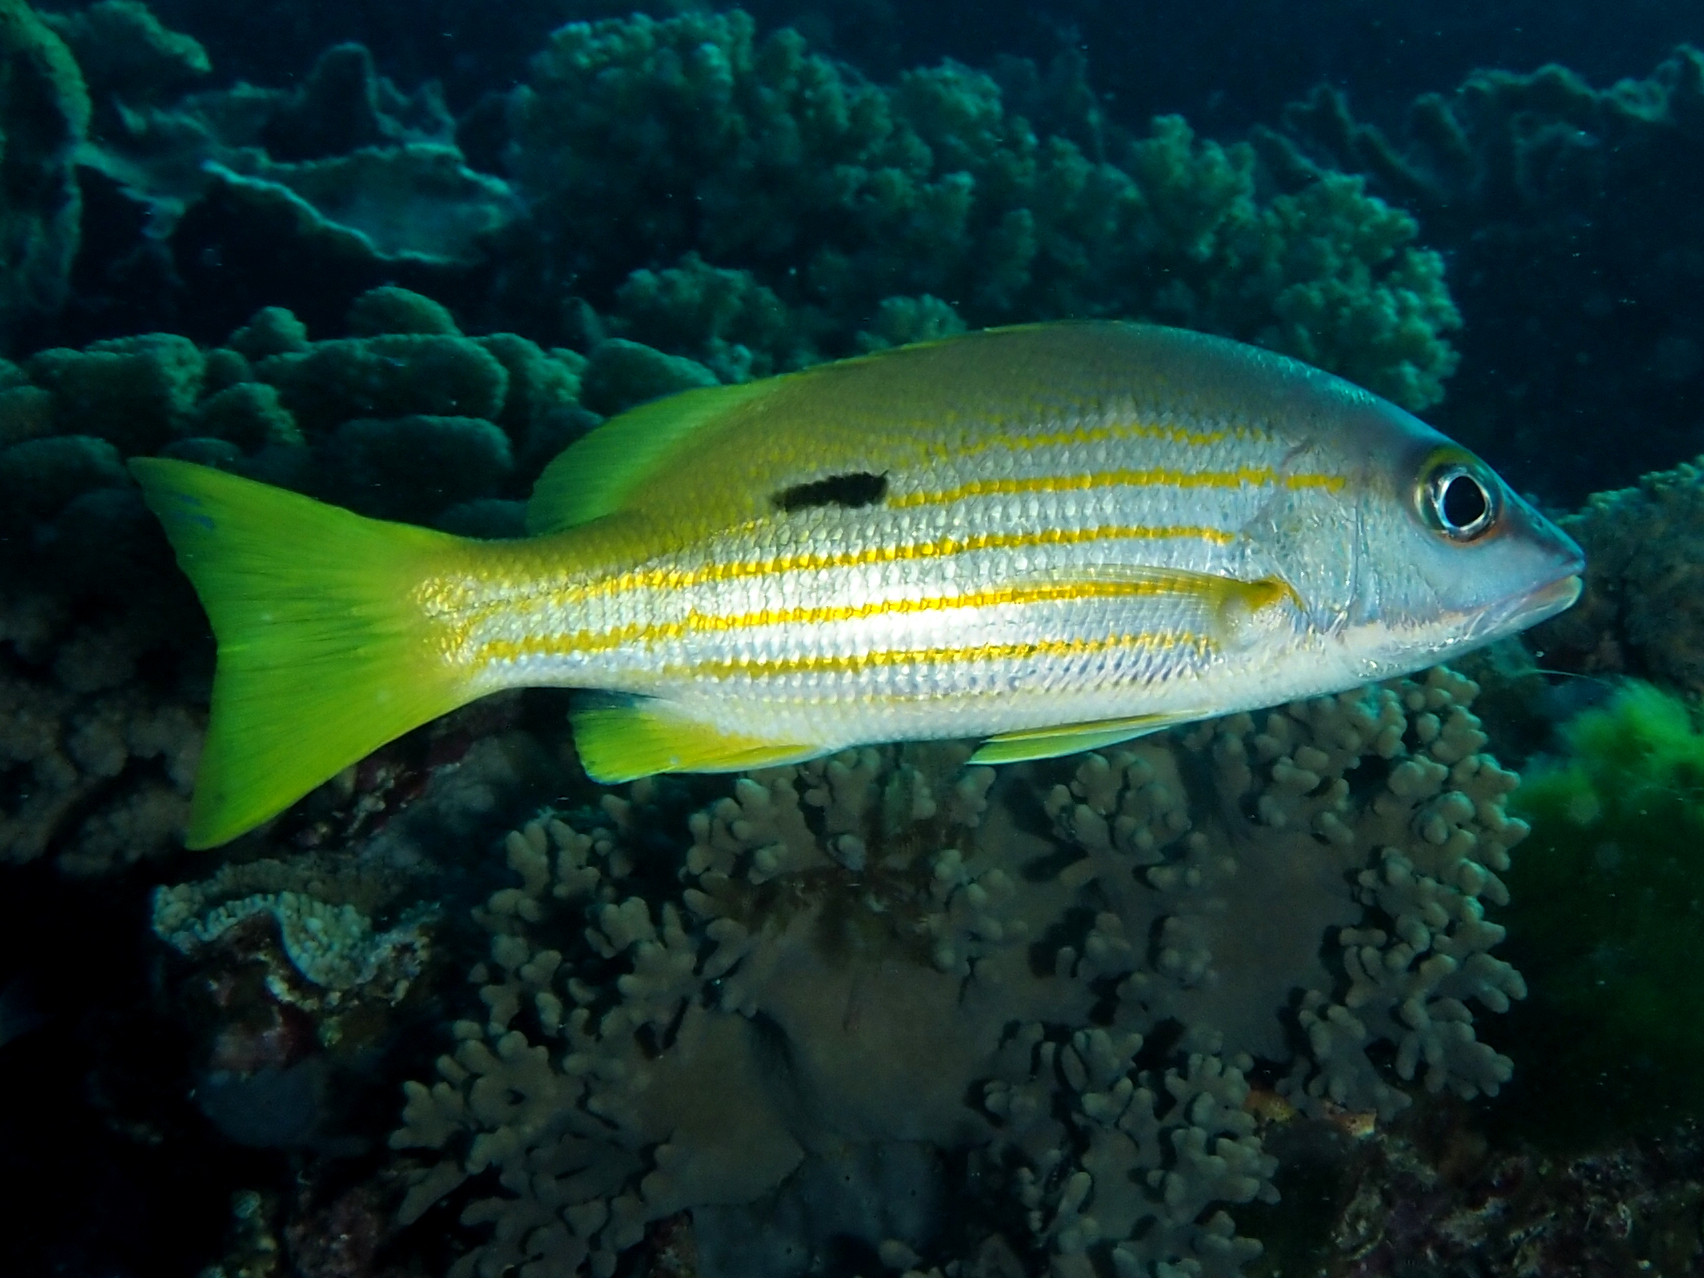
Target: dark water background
1225 64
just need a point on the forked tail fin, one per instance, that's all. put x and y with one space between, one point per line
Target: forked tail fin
325 652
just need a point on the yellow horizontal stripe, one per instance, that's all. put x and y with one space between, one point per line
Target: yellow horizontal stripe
1242 476
586 642
855 663
945 547
567 596
444 599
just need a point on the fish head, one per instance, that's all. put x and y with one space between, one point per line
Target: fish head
1442 556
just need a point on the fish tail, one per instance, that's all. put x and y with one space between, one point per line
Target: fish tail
325 652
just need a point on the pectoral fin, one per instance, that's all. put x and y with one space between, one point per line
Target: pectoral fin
1073 738
1219 612
1212 596
621 740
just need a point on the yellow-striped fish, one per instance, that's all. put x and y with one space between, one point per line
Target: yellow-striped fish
1054 537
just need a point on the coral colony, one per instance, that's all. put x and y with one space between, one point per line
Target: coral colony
874 951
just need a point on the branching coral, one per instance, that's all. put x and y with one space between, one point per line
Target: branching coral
95 764
1375 812
739 327
705 181
600 1140
881 949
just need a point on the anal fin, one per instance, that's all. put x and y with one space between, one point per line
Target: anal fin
1072 738
622 740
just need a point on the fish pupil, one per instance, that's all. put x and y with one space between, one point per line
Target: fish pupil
852 490
1465 502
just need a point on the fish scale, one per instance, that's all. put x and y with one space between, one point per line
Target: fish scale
673 636
1054 537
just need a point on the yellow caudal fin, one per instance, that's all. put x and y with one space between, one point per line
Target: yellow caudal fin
324 653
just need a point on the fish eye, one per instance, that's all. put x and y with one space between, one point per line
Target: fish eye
1458 500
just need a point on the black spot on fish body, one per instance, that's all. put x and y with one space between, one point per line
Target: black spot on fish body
851 491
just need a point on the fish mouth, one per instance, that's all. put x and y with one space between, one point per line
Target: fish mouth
1541 602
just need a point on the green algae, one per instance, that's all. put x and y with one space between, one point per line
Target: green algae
1607 921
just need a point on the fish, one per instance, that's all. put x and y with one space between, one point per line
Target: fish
1051 537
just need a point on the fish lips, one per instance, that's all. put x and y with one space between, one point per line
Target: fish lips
1546 601
1543 601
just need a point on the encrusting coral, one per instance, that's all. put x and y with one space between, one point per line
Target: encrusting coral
208 201
703 184
1642 608
322 911
1068 984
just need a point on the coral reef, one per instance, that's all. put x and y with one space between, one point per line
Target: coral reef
44 115
741 201
127 56
392 207
1068 984
1444 1195
209 202
296 963
1421 846
97 766
700 184
155 139
1642 609
1568 213
404 420
102 687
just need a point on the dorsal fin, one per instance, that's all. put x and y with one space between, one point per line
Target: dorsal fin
594 476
